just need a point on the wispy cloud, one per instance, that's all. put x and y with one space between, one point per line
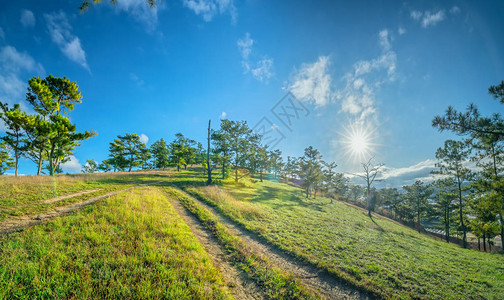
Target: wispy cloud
27 18
61 34
358 95
312 83
223 115
401 30
14 64
141 12
428 18
455 10
245 46
261 69
208 9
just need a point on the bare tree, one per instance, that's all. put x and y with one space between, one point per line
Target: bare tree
369 175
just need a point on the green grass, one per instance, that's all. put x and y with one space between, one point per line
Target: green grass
133 245
386 259
25 195
276 283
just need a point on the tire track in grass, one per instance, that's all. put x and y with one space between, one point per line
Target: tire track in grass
20 223
239 284
317 279
274 282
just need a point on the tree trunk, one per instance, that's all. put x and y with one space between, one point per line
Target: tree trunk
501 228
447 223
479 244
236 173
223 170
484 242
209 167
464 238
17 164
39 163
261 175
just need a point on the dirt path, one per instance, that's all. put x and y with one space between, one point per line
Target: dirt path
18 223
61 198
238 282
324 283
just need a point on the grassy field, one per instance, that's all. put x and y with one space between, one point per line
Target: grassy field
25 195
276 283
385 258
133 245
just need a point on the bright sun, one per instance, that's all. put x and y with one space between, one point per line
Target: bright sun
359 144
357 141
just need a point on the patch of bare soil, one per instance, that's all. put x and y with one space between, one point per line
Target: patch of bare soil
237 281
61 198
19 223
326 284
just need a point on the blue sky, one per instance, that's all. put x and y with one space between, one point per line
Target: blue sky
384 68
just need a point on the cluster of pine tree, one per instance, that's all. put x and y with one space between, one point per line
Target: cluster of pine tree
47 136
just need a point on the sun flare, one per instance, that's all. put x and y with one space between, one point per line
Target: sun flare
358 141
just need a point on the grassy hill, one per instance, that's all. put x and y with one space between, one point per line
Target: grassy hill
383 257
135 245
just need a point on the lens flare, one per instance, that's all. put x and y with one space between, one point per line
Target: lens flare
358 142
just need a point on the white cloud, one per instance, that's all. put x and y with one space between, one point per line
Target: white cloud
223 115
312 83
428 18
401 30
14 64
144 138
431 19
418 170
27 18
455 10
13 61
384 40
245 45
141 12
261 70
358 95
208 9
72 165
61 34
416 15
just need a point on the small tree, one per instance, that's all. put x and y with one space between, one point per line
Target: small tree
369 176
443 203
53 98
451 163
6 161
90 167
160 154
105 166
418 195
310 170
13 119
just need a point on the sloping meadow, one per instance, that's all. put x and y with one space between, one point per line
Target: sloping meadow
380 256
133 245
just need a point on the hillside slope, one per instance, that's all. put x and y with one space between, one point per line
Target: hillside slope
382 257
